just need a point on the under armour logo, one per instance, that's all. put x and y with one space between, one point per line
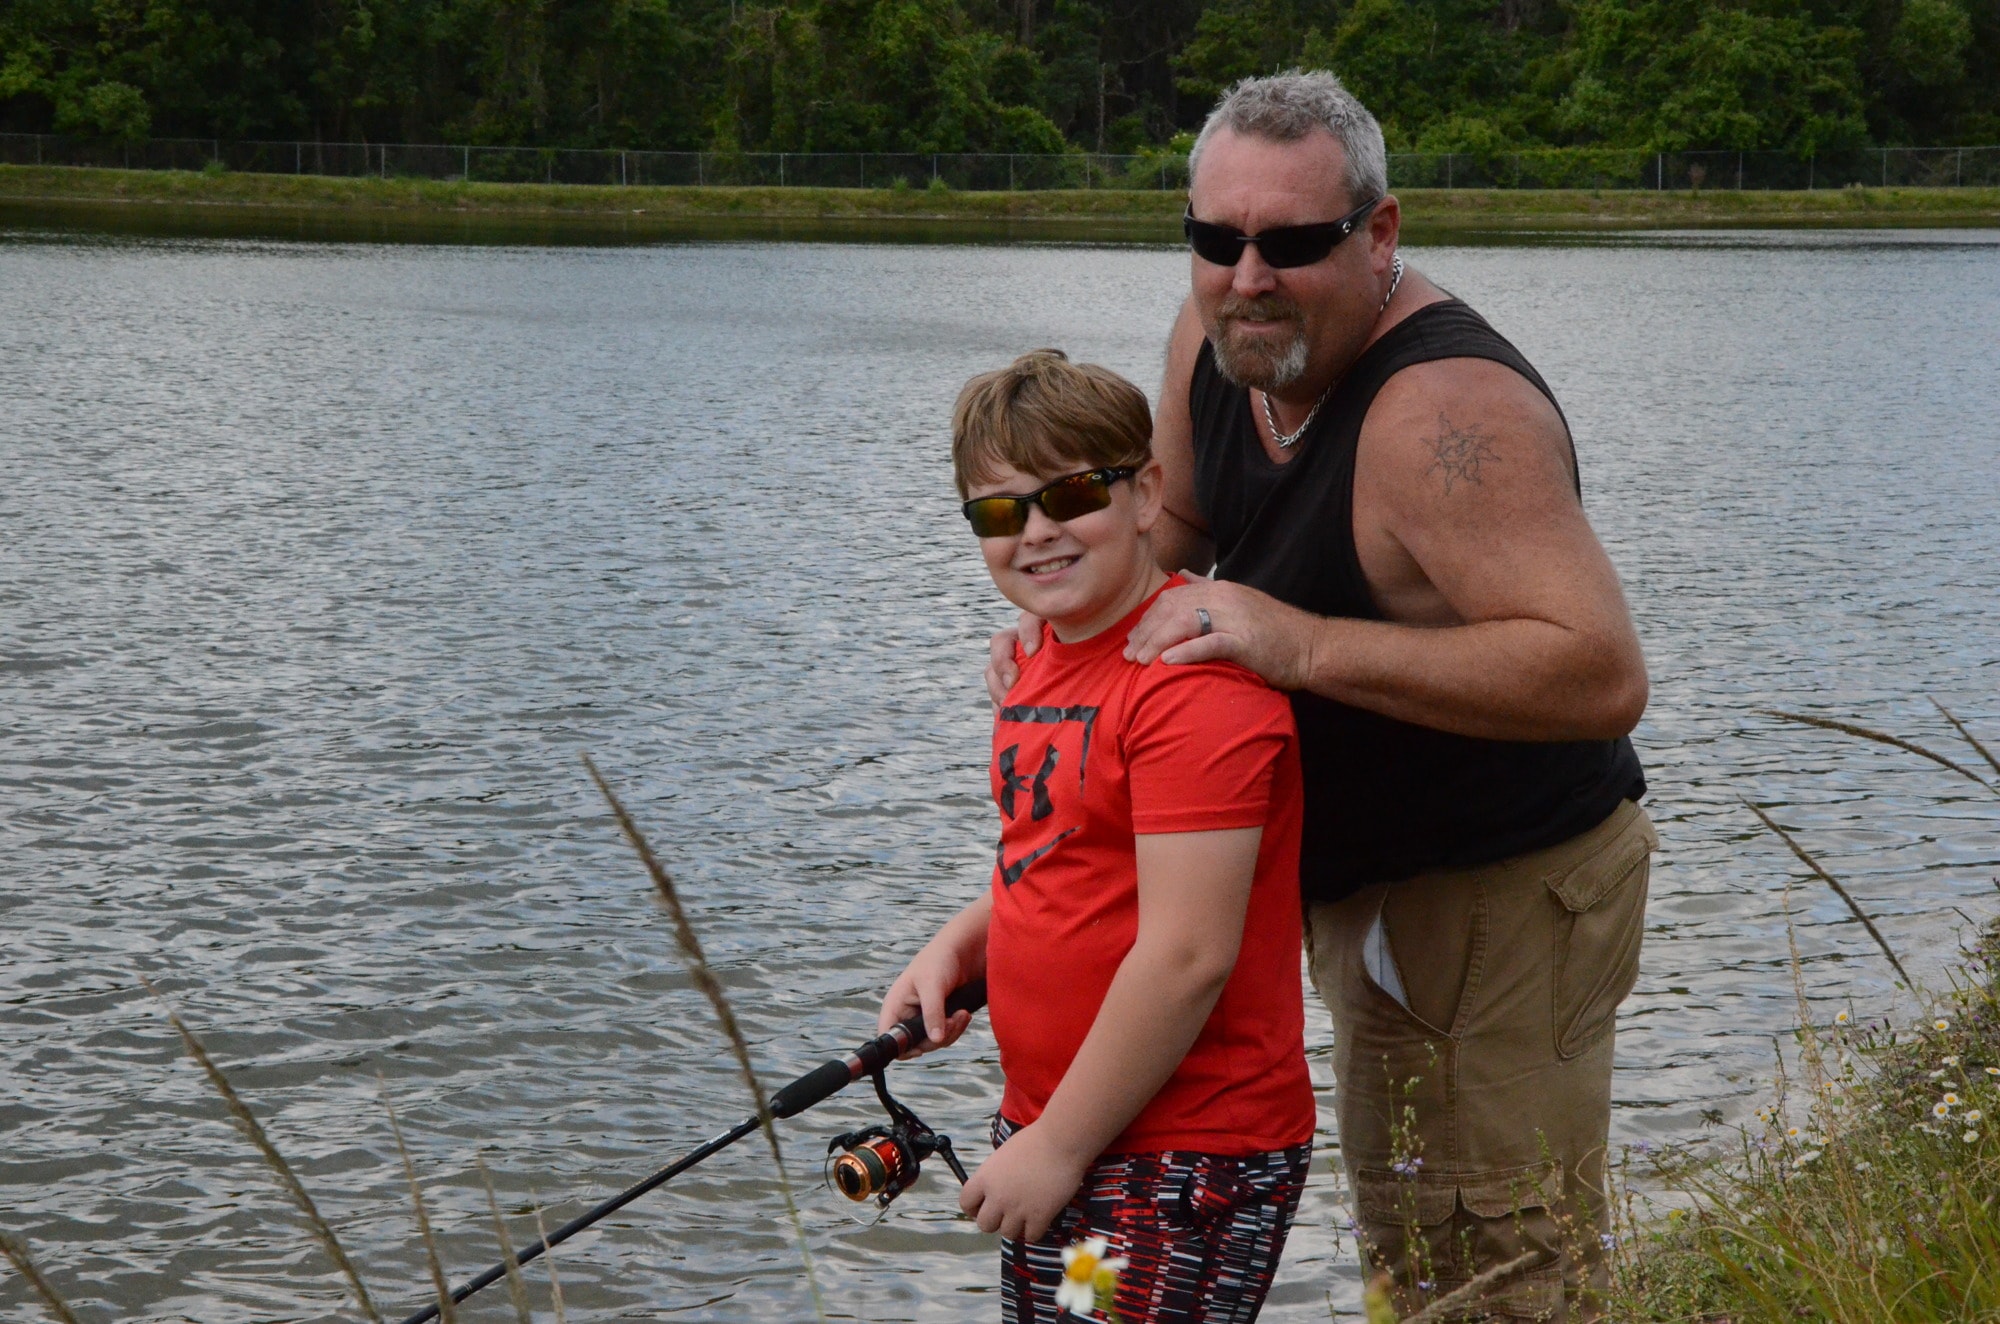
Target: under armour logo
1011 783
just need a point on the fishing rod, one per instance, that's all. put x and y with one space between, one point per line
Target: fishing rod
877 1162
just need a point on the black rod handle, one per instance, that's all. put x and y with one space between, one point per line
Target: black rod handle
836 1074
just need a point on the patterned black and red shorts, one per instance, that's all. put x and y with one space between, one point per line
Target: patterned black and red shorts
1202 1234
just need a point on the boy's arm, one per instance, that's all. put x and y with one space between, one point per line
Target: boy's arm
955 957
1194 889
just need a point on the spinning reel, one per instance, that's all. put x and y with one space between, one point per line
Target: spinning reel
879 1162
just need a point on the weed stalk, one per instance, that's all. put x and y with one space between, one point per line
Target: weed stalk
1839 891
711 988
1883 738
247 1122
516 1287
549 1258
447 1308
17 1254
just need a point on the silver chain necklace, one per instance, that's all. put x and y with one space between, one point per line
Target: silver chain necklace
1287 440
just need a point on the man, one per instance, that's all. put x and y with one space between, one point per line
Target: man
1388 494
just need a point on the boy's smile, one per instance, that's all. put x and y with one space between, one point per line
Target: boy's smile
1080 575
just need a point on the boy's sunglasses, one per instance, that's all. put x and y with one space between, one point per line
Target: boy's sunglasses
1064 499
1283 246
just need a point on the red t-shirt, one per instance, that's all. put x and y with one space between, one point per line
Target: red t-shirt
1088 751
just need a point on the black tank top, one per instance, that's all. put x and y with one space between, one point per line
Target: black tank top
1385 800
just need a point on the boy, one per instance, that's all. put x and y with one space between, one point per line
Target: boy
1140 939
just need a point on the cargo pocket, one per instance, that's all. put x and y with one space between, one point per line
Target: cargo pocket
1597 945
1510 1213
1394 1211
1467 1223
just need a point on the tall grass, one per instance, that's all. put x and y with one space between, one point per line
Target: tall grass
549 1258
1819 871
246 1121
516 1287
447 1308
16 1254
705 979
1872 1197
1898 742
1869 1190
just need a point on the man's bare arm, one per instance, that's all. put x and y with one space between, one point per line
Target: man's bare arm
1180 540
1512 625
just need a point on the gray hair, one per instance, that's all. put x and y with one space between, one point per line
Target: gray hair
1286 107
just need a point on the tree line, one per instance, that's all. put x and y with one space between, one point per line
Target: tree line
1000 75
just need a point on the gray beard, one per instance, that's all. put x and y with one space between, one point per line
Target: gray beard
1254 366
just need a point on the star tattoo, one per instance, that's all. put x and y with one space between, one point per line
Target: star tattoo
1459 452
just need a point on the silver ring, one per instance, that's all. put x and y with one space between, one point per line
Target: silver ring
1207 626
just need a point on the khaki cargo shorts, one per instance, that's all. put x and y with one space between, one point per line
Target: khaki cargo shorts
1473 1013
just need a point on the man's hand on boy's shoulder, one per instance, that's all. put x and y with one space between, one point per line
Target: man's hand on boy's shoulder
1252 629
1218 621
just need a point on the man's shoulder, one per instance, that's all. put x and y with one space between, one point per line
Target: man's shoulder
1438 416
1445 350
1461 382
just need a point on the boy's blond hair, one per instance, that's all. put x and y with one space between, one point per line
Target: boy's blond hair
1043 415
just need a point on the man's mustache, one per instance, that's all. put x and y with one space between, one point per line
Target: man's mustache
1263 308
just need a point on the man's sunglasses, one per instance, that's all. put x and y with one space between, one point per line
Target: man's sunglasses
1283 246
1064 499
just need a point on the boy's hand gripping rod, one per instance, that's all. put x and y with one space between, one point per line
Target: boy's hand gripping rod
822 1082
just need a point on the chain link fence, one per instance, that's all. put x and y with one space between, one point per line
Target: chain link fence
1590 168
1553 168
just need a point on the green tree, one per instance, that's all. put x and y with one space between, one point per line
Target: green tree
1676 74
878 75
1923 84
1475 76
1243 38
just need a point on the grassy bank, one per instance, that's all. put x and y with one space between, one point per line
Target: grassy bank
584 207
1867 1194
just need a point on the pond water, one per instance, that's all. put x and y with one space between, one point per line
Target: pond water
324 563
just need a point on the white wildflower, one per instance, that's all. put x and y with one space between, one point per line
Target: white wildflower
1088 1275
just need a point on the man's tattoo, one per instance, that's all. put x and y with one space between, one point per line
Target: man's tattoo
1459 452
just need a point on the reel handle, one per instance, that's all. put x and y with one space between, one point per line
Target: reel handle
836 1074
